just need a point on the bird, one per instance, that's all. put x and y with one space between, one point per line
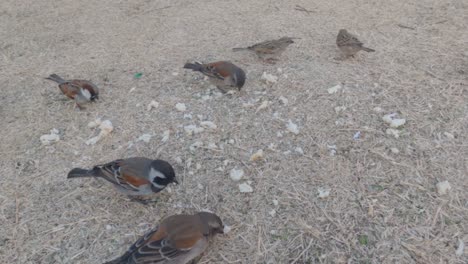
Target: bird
349 44
269 50
132 176
179 239
223 74
81 91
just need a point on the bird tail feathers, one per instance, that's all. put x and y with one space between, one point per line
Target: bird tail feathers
239 49
367 49
77 173
54 77
196 66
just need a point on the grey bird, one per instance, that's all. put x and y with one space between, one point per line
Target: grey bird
132 176
269 50
223 74
179 239
349 44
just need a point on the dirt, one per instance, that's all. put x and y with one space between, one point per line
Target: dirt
383 205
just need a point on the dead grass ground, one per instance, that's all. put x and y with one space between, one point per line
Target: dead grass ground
383 207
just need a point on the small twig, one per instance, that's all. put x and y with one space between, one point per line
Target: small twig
304 251
302 9
407 27
390 159
156 9
442 21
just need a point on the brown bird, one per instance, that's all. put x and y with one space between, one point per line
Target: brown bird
269 50
81 91
132 176
223 74
349 44
179 239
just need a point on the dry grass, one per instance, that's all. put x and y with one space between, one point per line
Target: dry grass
383 207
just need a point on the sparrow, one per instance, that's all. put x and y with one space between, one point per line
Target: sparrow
179 239
132 176
269 50
223 74
81 91
349 44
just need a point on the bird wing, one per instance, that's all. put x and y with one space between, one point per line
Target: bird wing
266 47
157 247
215 70
69 89
349 40
117 173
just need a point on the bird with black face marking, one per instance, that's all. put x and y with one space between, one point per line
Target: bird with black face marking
349 44
81 91
223 74
179 239
132 176
269 50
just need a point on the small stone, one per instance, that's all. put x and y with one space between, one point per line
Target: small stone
272 213
195 146
188 116
95 123
393 132
191 130
236 174
443 187
179 161
299 150
449 135
393 121
460 248
50 138
200 186
332 149
394 150
377 109
291 127
269 78
145 138
245 188
208 125
151 105
198 166
323 192
334 89
165 135
275 202
108 227
263 105
339 109
257 156
106 127
212 146
226 229
180 107
284 100
175 73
